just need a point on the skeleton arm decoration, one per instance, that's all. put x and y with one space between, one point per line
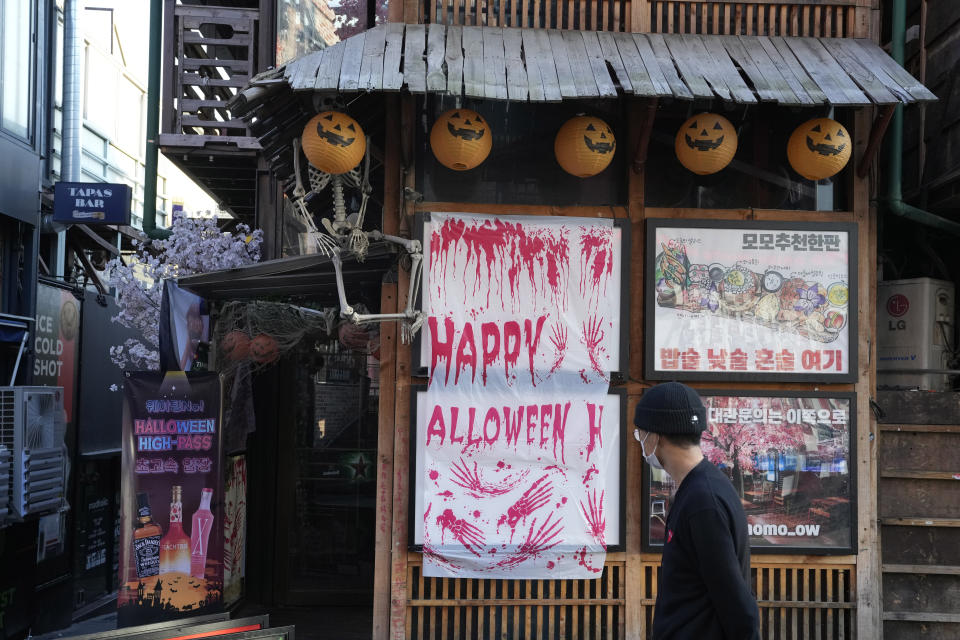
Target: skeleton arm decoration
346 233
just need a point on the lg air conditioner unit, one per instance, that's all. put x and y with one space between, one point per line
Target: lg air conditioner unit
32 427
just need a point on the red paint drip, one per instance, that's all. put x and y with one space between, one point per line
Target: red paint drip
596 260
493 246
434 475
581 556
591 471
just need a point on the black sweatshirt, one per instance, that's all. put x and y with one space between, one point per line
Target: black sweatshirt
704 589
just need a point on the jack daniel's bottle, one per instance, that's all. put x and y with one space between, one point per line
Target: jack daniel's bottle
146 540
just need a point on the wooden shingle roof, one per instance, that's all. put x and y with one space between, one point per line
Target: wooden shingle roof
548 65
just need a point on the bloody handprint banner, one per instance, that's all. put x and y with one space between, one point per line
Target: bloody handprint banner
790 458
751 300
517 439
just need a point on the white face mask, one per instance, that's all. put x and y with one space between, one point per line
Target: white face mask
651 457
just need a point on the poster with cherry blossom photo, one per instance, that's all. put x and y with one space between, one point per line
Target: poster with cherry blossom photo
517 466
790 457
751 300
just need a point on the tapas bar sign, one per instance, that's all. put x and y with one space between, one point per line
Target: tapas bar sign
751 300
790 458
91 203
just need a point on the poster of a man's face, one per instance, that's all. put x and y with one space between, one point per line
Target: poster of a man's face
184 325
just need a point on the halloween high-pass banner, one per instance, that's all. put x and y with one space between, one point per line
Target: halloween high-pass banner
171 527
517 438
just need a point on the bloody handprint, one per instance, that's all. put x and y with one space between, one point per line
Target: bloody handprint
593 512
463 532
532 499
593 335
558 339
473 483
546 537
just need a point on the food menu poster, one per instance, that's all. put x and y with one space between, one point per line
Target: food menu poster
171 539
751 300
790 459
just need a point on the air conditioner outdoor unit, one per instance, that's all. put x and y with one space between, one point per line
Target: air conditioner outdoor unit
32 427
6 474
915 327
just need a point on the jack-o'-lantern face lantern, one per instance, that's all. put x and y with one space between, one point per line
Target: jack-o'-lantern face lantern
333 142
461 139
585 146
819 148
706 143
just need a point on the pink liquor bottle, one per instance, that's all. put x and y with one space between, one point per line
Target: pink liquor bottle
200 535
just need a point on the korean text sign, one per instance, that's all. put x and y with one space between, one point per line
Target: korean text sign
789 457
517 440
751 300
171 531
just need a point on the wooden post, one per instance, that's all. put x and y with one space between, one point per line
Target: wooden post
642 118
389 333
869 623
639 16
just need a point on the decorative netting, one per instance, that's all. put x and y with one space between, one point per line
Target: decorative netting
253 335
250 336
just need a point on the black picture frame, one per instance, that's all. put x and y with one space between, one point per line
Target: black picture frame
650 302
621 392
852 477
618 376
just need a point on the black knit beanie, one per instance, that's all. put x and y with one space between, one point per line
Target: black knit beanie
671 408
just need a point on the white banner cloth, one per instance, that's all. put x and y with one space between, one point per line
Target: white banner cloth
516 433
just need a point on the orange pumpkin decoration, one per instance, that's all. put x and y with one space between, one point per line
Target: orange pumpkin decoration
236 345
461 139
263 349
584 146
706 143
819 148
333 142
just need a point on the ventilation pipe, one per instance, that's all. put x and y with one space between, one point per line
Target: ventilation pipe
894 202
72 111
153 124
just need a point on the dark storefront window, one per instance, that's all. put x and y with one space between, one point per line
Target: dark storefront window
521 168
759 176
332 482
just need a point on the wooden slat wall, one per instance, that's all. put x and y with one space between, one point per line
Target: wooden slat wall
517 609
829 18
797 601
228 43
919 516
836 19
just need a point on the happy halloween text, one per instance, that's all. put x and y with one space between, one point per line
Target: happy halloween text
535 425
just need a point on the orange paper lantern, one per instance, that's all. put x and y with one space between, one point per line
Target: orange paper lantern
333 142
263 349
706 143
584 146
819 148
461 139
236 345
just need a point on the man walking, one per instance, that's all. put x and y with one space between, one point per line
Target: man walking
705 573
